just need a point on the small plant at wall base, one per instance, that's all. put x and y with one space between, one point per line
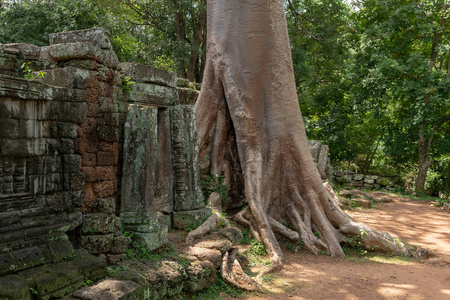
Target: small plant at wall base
357 242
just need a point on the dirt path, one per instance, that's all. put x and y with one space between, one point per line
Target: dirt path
306 276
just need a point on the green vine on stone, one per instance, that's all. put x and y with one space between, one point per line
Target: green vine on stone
28 72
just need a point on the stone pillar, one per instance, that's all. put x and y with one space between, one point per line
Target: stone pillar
189 204
141 177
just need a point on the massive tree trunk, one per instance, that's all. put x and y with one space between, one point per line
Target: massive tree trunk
251 130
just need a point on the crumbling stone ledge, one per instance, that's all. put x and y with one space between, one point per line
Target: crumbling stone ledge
188 270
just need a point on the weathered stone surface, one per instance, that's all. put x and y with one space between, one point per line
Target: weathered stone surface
120 244
139 161
96 244
100 223
187 96
314 149
148 74
345 193
233 234
358 177
14 287
181 219
111 289
78 50
66 77
151 236
152 94
362 203
200 276
163 186
97 36
215 201
344 179
165 219
203 254
13 87
446 207
188 192
215 242
360 194
322 160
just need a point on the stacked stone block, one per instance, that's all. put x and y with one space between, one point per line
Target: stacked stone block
42 188
86 61
152 103
70 141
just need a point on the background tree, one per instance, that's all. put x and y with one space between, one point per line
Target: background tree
31 21
402 66
171 31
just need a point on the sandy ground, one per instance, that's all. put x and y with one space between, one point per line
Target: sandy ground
307 276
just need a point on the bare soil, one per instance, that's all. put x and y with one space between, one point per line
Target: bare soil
307 276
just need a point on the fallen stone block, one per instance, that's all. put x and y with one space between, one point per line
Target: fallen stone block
362 203
182 219
111 289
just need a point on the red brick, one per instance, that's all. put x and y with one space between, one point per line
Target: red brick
106 173
92 109
104 189
80 144
106 146
91 199
104 89
88 159
106 158
91 173
89 125
91 95
93 82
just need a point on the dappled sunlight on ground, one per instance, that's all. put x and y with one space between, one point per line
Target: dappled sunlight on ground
309 277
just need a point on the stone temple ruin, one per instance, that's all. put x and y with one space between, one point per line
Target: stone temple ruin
89 148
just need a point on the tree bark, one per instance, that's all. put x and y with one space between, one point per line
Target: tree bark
251 130
424 163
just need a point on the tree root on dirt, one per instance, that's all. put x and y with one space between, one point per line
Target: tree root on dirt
233 274
211 224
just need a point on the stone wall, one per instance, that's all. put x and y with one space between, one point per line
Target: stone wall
88 146
347 178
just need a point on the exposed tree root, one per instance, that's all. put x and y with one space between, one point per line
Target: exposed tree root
211 224
233 274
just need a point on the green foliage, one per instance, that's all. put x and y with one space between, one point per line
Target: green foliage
438 179
294 247
218 290
28 72
257 248
114 270
32 21
88 282
33 292
246 237
127 84
357 242
69 257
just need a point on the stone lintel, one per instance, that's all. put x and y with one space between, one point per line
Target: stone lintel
153 95
148 74
98 36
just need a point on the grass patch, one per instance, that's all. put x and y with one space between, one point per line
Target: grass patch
218 291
